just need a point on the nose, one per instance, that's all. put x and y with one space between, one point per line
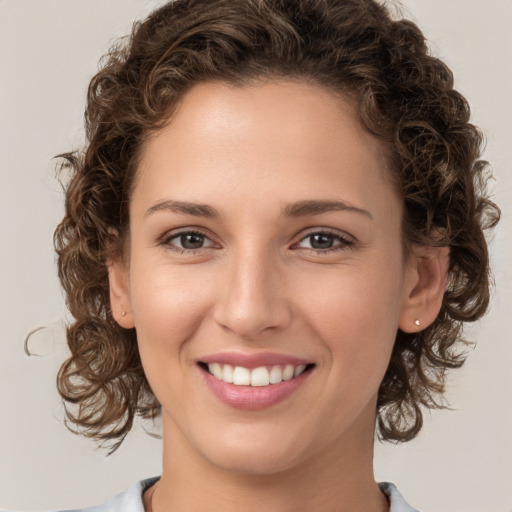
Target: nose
252 300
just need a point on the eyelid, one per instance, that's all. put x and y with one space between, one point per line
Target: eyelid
166 238
348 241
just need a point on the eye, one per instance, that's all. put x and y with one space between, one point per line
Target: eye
188 241
325 241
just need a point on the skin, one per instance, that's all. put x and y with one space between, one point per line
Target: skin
258 284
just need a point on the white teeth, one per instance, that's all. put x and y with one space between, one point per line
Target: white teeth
276 375
227 373
288 372
241 376
258 377
299 370
216 369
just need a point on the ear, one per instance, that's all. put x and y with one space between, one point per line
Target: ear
425 283
119 285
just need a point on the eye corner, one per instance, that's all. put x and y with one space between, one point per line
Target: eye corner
166 240
335 241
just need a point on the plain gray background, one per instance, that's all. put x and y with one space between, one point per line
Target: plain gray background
462 460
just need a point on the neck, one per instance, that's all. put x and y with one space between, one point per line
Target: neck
340 480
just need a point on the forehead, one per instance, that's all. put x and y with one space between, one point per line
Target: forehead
307 112
277 137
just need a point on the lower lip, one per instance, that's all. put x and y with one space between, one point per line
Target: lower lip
253 397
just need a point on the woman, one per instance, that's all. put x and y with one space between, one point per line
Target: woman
273 237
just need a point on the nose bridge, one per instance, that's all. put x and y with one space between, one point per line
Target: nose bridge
253 299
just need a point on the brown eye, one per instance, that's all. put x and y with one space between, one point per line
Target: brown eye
191 240
324 241
321 241
188 241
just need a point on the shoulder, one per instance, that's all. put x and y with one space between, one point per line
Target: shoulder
396 500
127 501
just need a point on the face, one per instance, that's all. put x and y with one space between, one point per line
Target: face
264 242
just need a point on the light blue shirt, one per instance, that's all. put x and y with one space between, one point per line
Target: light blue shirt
131 499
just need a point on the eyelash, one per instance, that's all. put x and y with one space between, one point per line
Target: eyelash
166 240
345 241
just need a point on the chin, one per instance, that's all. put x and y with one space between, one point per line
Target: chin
259 452
254 464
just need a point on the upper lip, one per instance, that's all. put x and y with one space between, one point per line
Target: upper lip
254 360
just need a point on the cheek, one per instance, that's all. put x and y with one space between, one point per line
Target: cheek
168 307
355 313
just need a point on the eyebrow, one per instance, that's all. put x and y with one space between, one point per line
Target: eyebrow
317 207
297 209
196 209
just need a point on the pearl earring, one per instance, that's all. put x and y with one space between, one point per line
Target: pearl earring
417 322
123 313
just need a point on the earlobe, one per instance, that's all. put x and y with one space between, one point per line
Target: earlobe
120 303
425 285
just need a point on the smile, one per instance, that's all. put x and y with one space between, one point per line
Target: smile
255 381
256 377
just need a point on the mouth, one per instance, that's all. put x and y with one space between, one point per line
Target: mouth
254 381
261 376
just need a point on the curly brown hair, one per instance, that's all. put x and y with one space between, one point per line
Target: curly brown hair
404 96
